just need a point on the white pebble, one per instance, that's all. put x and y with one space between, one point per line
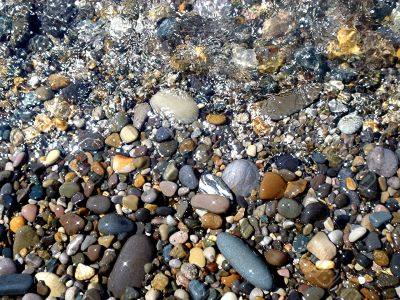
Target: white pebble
229 296
209 254
181 294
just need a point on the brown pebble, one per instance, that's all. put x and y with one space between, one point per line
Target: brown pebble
211 221
58 81
93 252
277 258
295 188
272 186
186 146
113 140
321 278
42 289
72 223
381 258
369 294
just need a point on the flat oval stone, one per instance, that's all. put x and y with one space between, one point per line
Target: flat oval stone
244 260
176 105
272 186
350 123
313 212
187 177
72 223
112 224
382 161
68 189
212 203
128 270
241 176
289 208
98 204
7 266
15 284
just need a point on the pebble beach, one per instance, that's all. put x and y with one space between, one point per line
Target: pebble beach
199 149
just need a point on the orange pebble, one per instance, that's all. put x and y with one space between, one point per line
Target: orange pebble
16 223
227 280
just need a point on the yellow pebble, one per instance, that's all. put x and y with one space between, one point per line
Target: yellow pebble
197 258
139 181
16 223
325 264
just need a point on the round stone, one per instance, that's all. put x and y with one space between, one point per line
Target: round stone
241 176
277 258
112 224
350 124
98 204
272 186
7 266
187 177
129 134
72 223
29 212
289 208
68 189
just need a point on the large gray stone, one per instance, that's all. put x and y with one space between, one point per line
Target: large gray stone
241 176
128 270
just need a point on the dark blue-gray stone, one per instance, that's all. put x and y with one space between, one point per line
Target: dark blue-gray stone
112 224
164 134
241 176
197 290
15 284
300 243
372 241
128 270
395 264
380 218
98 204
247 262
289 208
314 212
187 177
288 162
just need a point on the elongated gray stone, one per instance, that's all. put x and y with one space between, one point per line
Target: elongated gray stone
285 104
15 284
213 203
128 270
245 260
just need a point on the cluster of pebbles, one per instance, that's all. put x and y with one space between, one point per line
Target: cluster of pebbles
200 149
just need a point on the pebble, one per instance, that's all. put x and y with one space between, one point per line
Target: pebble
250 266
98 204
29 212
15 284
31 296
56 286
168 188
84 272
313 212
25 237
211 221
321 247
68 189
314 293
196 257
73 246
187 177
350 124
241 176
181 294
89 141
378 219
131 202
72 223
395 265
356 233
197 290
7 266
382 161
176 105
128 270
276 257
159 282
229 296
112 224
123 164
272 186
212 203
289 208
129 134
179 237
52 157
214 185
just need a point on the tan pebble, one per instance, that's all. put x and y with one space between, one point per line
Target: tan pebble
113 140
105 241
216 119
43 123
84 272
58 81
163 229
139 181
52 157
295 188
325 264
159 282
131 202
358 161
129 134
251 150
196 257
123 164
60 124
211 221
